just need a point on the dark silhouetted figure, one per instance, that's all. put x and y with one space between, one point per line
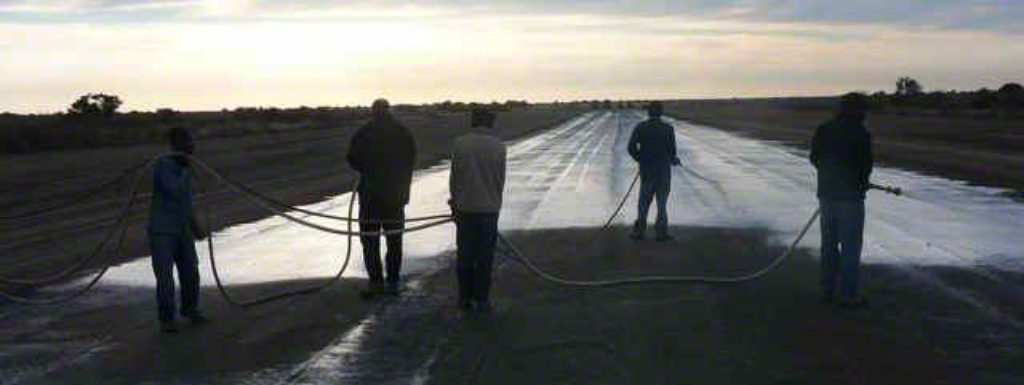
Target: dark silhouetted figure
384 154
477 181
841 151
653 145
172 232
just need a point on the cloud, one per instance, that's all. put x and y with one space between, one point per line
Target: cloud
198 54
990 15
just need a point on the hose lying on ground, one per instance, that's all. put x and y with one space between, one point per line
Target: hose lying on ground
518 256
121 224
284 206
261 200
80 197
282 211
82 262
268 204
525 261
286 294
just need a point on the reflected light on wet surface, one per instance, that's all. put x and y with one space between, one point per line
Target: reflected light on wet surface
573 176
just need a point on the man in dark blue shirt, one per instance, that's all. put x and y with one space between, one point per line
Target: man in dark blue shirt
172 231
841 152
653 145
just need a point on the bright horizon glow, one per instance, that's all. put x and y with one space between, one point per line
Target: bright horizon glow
236 53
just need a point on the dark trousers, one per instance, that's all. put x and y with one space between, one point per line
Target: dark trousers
842 232
371 244
475 238
169 251
654 182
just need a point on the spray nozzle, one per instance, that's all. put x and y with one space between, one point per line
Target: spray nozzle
889 189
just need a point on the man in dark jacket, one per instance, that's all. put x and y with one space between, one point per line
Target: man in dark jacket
172 230
653 145
841 151
383 152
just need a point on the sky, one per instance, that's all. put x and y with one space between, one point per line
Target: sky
213 54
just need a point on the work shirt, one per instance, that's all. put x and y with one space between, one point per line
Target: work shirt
653 144
841 151
384 154
171 206
478 173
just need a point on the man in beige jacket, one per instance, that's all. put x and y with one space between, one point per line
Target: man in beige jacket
477 182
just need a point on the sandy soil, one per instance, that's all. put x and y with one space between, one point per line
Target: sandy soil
768 331
985 151
111 344
300 167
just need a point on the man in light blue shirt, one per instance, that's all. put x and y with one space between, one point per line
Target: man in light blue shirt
172 232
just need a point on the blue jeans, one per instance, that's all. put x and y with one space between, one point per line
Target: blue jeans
475 237
170 250
842 233
654 182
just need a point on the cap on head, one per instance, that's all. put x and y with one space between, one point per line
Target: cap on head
654 109
481 117
380 108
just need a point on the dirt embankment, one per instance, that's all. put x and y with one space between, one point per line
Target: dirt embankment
299 167
981 150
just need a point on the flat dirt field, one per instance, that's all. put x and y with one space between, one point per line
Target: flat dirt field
298 167
982 150
926 323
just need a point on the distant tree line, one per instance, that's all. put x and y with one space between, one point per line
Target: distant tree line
450 106
95 120
911 94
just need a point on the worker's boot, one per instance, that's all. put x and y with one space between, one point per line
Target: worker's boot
393 288
168 326
482 306
662 235
853 302
661 230
195 317
639 227
374 288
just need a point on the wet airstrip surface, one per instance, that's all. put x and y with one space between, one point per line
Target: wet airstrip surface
571 176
